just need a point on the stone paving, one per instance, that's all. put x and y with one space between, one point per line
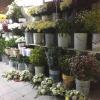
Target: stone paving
11 90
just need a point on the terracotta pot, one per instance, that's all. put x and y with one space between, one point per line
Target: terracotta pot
67 81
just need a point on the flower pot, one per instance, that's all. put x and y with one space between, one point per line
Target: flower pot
21 44
50 39
80 41
96 42
28 38
83 87
63 40
21 66
38 38
28 52
39 69
67 81
55 75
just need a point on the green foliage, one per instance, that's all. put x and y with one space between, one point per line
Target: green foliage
63 26
92 21
2 45
17 31
11 43
38 57
64 64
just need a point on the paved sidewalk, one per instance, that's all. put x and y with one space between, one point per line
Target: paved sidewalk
11 90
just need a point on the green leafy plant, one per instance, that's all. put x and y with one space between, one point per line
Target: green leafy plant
2 45
84 67
11 43
74 95
38 57
92 21
64 64
63 26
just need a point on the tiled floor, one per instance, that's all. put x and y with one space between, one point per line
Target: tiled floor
10 90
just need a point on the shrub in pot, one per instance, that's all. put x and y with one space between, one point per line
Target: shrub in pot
52 59
84 68
63 29
64 64
38 58
92 23
80 31
21 63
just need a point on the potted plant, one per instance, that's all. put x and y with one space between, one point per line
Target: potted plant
64 64
52 60
38 58
63 29
92 24
84 68
47 27
80 31
21 63
74 95
14 12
